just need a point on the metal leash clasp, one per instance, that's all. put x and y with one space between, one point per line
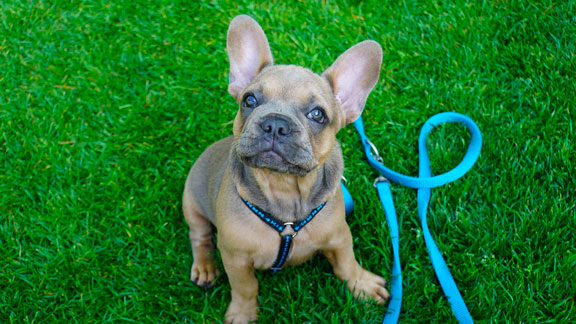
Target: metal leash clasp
376 156
380 179
374 151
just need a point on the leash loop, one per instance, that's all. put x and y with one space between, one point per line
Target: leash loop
428 181
423 183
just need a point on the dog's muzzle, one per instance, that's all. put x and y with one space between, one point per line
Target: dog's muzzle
278 143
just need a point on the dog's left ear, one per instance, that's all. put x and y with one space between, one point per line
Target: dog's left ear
248 51
353 76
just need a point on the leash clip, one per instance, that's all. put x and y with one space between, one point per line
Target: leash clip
380 179
374 152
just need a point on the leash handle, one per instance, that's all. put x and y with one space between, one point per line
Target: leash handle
427 181
423 183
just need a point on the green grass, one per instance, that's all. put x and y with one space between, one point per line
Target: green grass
104 106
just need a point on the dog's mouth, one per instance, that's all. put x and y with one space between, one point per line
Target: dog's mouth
287 158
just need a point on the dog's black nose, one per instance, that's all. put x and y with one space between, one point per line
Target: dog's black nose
276 126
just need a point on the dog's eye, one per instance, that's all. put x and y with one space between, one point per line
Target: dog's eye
250 101
317 115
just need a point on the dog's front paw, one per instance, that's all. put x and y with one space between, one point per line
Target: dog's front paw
204 272
369 285
241 316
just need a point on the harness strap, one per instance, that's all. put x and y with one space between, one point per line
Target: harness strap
286 240
285 246
423 183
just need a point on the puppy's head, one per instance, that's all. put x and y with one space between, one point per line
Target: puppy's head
288 115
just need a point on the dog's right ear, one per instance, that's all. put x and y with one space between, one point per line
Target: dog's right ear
248 51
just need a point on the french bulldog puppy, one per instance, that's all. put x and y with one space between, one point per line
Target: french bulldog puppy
279 174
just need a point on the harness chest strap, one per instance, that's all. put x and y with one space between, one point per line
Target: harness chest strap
279 226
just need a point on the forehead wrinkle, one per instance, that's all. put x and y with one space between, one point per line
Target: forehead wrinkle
295 90
282 78
299 85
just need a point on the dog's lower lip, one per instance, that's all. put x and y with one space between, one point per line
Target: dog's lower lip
271 153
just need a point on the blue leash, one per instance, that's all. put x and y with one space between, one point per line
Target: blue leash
424 182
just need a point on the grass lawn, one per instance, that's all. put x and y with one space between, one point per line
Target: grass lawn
104 106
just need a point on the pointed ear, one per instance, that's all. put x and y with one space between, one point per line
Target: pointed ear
248 51
353 76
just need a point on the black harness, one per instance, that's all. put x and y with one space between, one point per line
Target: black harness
279 226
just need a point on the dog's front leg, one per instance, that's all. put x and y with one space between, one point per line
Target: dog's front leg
244 305
362 283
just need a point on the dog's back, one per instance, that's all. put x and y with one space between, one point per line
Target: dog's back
205 177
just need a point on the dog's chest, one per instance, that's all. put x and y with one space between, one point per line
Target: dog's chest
243 229
303 246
